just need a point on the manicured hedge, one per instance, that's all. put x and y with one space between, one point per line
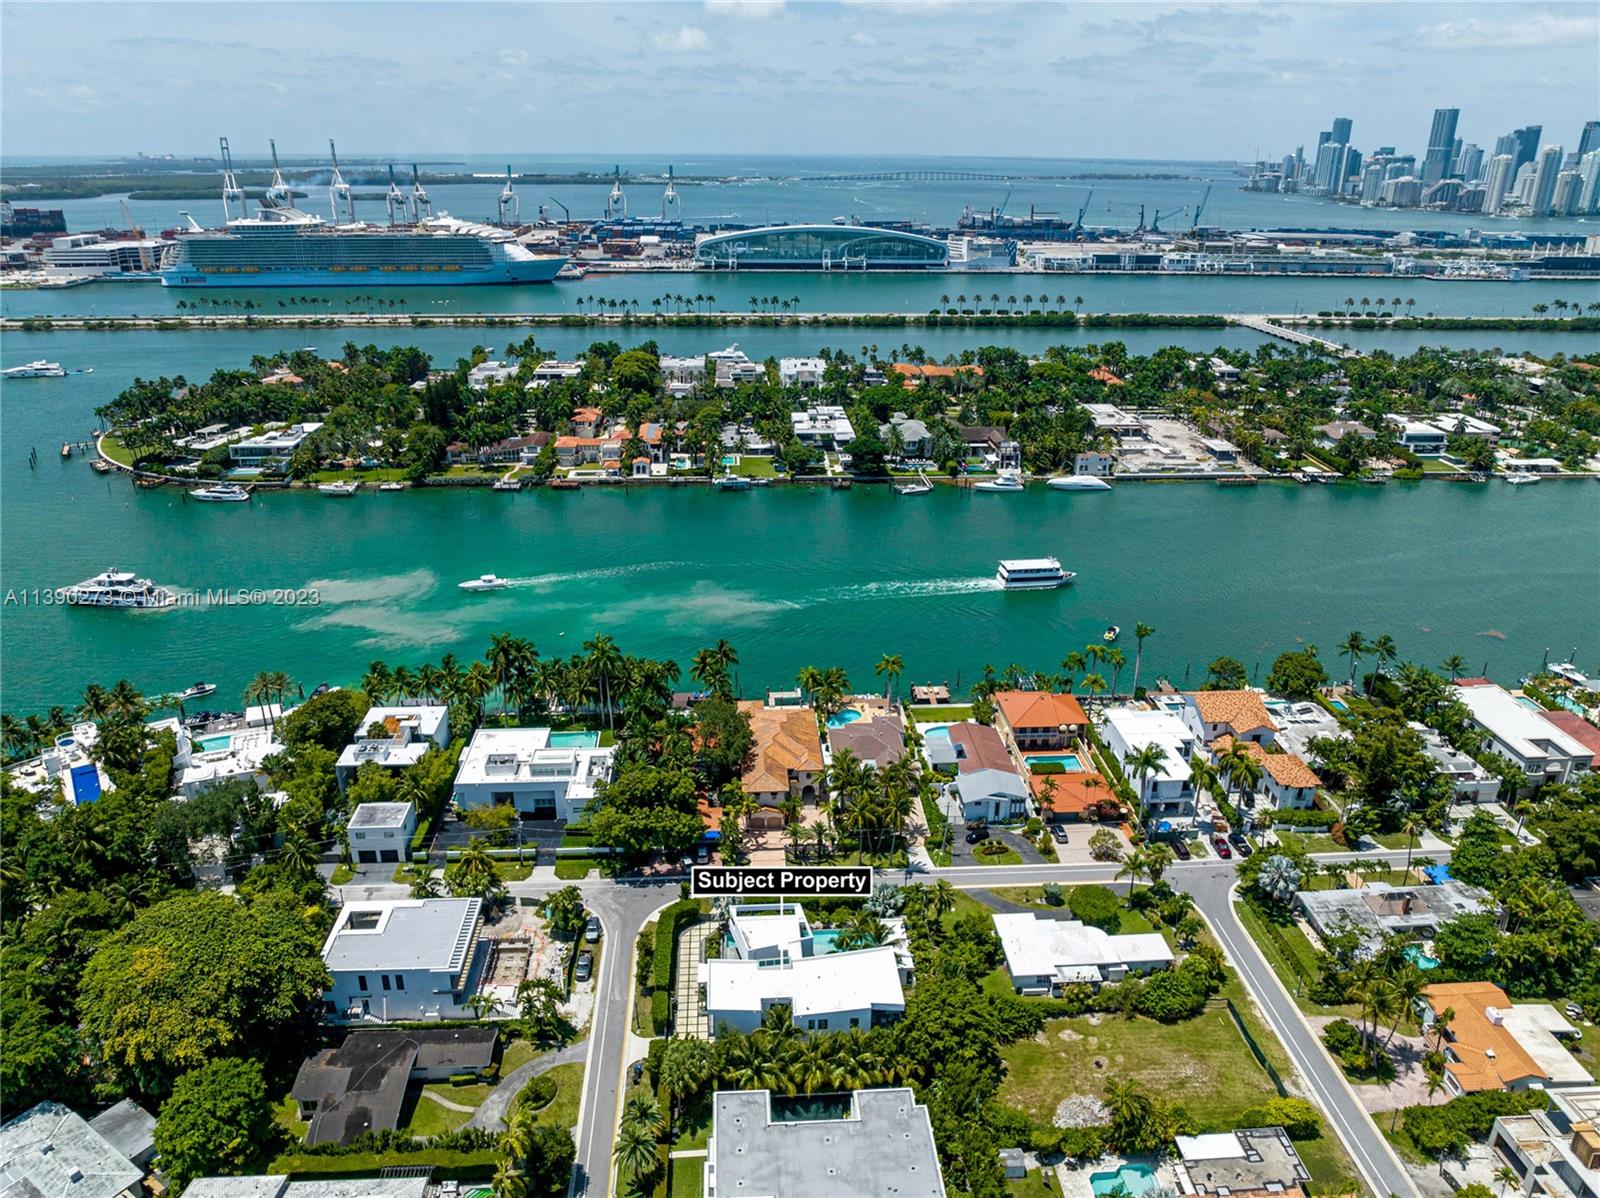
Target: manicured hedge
539 1093
1311 818
667 928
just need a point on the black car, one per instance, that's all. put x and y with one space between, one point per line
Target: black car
1058 833
585 966
1180 850
1238 841
980 833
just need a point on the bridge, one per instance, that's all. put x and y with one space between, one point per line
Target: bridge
1262 324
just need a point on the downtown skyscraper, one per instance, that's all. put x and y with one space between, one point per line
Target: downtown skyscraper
1441 145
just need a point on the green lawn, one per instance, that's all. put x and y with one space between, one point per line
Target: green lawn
287 1116
1312 842
953 713
571 869
341 874
1039 1183
692 1127
1291 956
472 1095
1009 857
114 449
513 871
377 474
562 1110
752 467
428 1118
686 1177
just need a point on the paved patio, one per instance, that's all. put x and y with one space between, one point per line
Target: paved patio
690 1018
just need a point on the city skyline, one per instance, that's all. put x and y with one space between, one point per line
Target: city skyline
769 77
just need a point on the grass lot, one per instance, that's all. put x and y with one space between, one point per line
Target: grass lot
1009 857
562 1111
1291 956
513 871
341 874
953 713
752 467
686 1177
377 474
1039 1183
1388 877
692 1127
423 1117
1029 895
1311 842
517 1054
114 449
571 869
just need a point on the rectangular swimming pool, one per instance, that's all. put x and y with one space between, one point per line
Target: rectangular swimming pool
1070 762
210 744
574 740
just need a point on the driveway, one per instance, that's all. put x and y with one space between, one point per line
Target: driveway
491 1112
1410 1085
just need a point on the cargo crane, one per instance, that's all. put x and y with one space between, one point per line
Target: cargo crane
566 213
1199 210
145 263
421 205
232 193
278 194
616 202
671 205
508 199
1077 225
339 190
395 199
1155 225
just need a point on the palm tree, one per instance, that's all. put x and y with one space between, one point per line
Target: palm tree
941 900
1143 762
1116 660
1353 646
1133 868
1074 664
604 660
1411 824
1385 651
635 1150
891 665
1279 878
1241 767
1140 631
1506 1176
1453 665
425 883
1094 684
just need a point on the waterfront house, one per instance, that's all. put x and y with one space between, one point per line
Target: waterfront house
1239 714
822 426
1250 1163
504 452
380 833
1518 730
1469 781
978 747
1579 729
785 759
1491 1043
1167 793
1378 912
1108 418
1285 778
554 370
686 371
1330 434
1419 436
1554 1152
1094 464
878 741
981 440
1044 955
879 1143
540 773
274 445
50 1151
771 955
394 738
732 366
998 796
1039 721
915 436
486 374
402 959
801 372
586 421
913 374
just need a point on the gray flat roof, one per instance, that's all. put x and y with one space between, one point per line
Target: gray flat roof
128 1128
884 1146
431 934
380 815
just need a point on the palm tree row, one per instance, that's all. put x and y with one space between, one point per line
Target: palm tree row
826 690
1355 646
873 806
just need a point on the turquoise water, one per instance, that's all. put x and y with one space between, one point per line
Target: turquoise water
574 740
1420 959
824 941
1530 704
1068 761
1338 705
934 731
844 718
208 744
1136 1179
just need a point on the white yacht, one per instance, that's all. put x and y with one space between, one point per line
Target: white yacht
34 370
1077 482
1006 480
391 486
732 482
507 484
198 691
921 487
1033 574
484 582
1518 478
119 588
220 493
340 490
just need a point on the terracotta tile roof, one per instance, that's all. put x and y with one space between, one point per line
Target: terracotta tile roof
570 442
1243 711
1073 793
1101 375
982 748
1491 1058
1580 729
784 739
1286 769
1039 709
585 415
710 817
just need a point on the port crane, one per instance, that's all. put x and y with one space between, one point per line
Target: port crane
145 263
395 199
421 205
616 202
1077 225
1200 208
670 203
278 194
232 193
1155 225
566 213
508 199
339 190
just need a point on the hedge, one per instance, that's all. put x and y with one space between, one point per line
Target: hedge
1447 1129
1310 818
667 929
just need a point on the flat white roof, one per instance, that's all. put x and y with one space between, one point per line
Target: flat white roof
1217 1146
1536 1026
1037 947
1522 728
380 815
506 755
1136 728
401 934
848 981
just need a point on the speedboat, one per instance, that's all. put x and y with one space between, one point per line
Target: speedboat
34 370
1006 480
733 482
1111 634
221 493
339 490
198 691
921 487
507 484
1077 482
1518 478
391 486
485 582
118 588
1032 574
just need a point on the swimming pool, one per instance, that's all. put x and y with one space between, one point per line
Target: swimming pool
1135 1179
1070 762
1530 704
574 740
823 941
1338 705
1420 959
211 744
848 716
934 731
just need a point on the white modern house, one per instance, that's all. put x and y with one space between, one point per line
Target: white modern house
1556 1151
481 376
772 955
732 366
381 832
554 370
394 738
1469 781
801 372
274 446
522 766
822 426
402 959
1540 749
996 796
1043 955
1167 792
1420 437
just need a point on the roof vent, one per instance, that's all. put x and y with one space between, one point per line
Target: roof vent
75 1175
1489 1052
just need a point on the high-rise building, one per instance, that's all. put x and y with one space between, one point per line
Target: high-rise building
1527 139
1340 131
1589 172
1542 201
1372 183
1506 143
1569 186
1441 145
1522 184
1497 182
1469 163
1589 139
1330 159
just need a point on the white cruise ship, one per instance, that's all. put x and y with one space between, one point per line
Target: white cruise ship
1032 574
118 588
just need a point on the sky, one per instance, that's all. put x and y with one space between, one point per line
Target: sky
858 77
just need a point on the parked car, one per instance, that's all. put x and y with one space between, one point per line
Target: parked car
591 931
1180 850
980 833
1239 841
1058 833
1220 843
702 854
585 966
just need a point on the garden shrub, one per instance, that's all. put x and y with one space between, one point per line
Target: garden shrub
667 928
540 1092
1447 1130
1295 1115
1097 906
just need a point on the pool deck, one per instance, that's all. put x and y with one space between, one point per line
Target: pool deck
1075 1181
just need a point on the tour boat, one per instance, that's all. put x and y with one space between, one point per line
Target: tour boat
1032 574
118 588
484 582
1077 482
1006 480
220 493
391 486
1518 478
1111 634
34 370
733 482
339 490
198 691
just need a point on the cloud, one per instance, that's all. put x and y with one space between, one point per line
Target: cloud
858 38
745 10
686 39
514 58
1528 32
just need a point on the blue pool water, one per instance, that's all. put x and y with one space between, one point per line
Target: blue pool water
823 941
1134 1178
210 744
1530 704
1420 959
574 740
1338 705
934 731
1067 761
848 716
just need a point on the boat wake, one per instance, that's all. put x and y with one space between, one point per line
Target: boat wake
911 588
599 574
380 589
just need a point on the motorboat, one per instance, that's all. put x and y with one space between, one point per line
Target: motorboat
1565 669
118 588
339 490
198 691
1111 634
100 466
921 487
507 484
1032 574
34 370
391 486
66 449
732 482
1520 478
1006 480
485 582
220 493
1077 482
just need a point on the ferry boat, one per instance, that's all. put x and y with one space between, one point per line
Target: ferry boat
220 493
34 370
339 490
484 582
1111 634
118 588
1032 574
1077 482
1006 480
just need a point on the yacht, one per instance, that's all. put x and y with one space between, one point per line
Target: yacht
1032 574
340 490
485 582
1111 634
507 484
1077 482
1519 478
1006 480
118 588
198 691
34 370
921 487
220 493
733 482
391 486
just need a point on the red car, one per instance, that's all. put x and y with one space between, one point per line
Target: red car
1220 843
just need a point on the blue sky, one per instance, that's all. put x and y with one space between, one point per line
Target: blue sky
770 77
